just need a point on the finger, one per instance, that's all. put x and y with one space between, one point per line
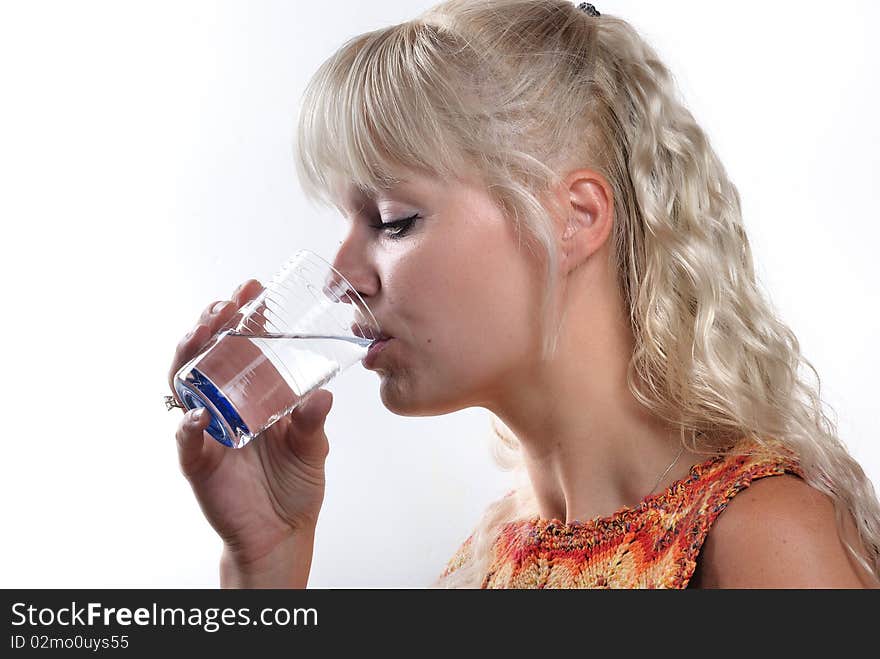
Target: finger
191 440
263 317
218 315
248 291
187 349
260 319
266 316
223 313
305 434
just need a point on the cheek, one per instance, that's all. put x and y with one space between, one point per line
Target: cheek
485 311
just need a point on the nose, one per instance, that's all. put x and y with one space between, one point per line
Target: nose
338 289
353 271
352 276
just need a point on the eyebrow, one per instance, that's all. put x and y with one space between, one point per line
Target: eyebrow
402 185
355 211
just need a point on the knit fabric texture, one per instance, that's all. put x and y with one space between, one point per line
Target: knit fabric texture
654 544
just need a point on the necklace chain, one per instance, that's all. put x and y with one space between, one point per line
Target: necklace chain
666 471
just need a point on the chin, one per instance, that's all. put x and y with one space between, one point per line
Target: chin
402 402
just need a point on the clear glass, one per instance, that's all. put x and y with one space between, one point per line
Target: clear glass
308 325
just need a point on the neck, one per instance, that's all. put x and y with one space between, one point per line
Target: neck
589 447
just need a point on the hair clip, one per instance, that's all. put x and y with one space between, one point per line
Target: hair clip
589 9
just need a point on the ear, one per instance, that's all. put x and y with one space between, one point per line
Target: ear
585 203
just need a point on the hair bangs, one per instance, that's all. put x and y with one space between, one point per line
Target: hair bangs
376 111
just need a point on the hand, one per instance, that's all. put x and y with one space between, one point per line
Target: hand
261 497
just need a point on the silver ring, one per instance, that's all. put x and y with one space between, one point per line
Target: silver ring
171 403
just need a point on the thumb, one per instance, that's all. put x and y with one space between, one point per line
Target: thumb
306 436
309 416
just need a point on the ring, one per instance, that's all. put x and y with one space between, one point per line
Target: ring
171 403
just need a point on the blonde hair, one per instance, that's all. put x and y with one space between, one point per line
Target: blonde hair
515 92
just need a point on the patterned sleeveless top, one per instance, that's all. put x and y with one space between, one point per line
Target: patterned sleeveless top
654 544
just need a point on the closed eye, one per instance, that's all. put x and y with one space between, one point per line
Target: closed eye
398 228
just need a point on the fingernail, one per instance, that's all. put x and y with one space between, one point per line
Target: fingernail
220 306
198 415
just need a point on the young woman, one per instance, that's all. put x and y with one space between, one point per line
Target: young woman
546 232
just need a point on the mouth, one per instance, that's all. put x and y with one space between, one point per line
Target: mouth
375 350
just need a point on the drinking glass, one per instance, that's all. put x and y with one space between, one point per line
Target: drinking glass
308 325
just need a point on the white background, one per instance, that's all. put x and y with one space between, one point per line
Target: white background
146 170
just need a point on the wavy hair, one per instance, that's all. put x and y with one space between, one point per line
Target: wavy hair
516 92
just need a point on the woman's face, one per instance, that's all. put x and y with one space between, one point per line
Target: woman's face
458 295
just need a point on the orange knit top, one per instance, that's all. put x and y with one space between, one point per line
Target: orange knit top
654 544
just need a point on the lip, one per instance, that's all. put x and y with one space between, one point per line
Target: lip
375 350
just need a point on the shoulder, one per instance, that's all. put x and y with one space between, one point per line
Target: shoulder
779 533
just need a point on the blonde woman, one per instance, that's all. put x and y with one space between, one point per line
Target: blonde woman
545 232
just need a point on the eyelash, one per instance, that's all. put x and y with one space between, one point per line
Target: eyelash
403 227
